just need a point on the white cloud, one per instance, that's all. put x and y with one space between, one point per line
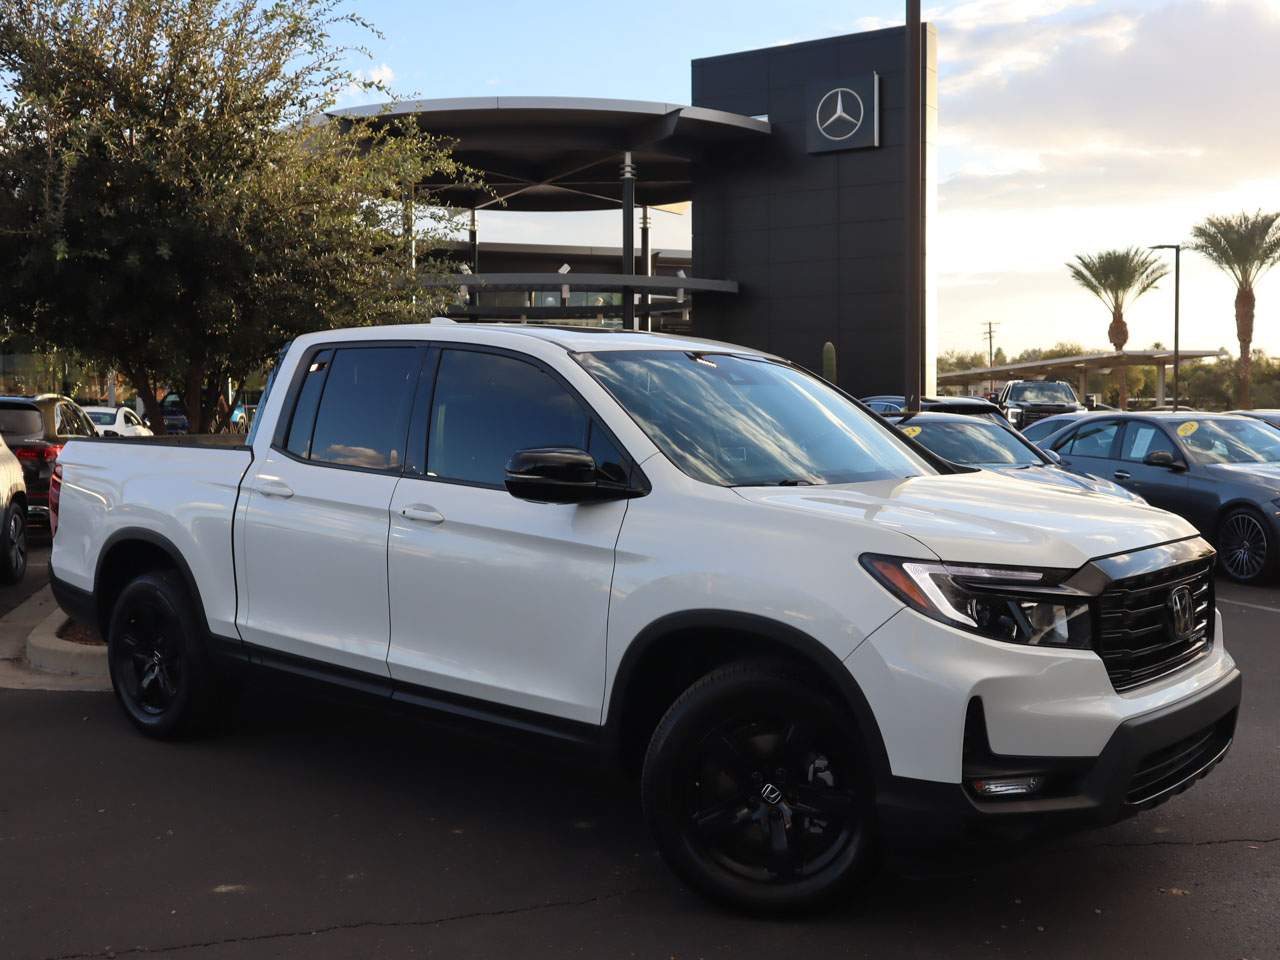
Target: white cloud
1086 129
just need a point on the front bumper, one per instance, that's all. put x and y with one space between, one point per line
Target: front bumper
1148 759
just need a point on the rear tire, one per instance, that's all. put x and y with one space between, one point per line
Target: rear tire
756 790
159 663
1246 546
13 544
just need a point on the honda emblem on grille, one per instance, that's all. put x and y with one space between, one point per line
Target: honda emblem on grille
1182 611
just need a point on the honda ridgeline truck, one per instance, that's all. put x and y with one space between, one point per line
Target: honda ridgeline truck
807 634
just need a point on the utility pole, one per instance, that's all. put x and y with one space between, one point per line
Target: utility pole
913 214
990 337
1177 296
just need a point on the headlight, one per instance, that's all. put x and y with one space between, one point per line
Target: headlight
1015 414
1012 604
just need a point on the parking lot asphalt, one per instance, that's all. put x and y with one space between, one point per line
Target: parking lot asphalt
308 829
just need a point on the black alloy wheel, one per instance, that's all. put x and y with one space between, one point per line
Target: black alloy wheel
13 545
1244 546
756 791
157 657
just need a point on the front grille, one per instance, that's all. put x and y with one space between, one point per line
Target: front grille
1031 416
1171 767
1136 636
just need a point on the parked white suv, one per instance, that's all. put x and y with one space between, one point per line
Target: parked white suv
804 630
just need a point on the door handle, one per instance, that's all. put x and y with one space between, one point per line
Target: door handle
271 487
422 513
1122 475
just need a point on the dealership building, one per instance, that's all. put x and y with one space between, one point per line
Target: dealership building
791 159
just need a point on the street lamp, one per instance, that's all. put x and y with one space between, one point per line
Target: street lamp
1177 281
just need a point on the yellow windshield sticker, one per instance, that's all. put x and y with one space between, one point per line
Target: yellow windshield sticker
1188 428
911 431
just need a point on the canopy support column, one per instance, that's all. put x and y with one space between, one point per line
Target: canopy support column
628 239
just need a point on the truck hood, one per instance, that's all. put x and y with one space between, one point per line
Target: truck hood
1055 476
983 517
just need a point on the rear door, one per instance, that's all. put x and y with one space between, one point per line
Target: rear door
494 597
1092 448
315 540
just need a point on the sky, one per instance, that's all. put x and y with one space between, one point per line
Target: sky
1065 127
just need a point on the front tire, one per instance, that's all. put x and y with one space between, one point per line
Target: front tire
1246 546
756 790
13 544
159 664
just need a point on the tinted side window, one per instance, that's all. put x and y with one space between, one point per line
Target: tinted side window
488 406
607 455
1094 439
364 410
1144 438
304 411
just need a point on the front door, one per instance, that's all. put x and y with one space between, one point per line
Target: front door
494 597
315 537
1162 487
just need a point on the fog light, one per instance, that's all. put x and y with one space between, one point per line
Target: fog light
1007 786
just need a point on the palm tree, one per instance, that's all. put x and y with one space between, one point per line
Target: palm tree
1117 277
1243 246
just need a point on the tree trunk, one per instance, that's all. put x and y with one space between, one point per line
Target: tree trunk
150 402
1118 334
1245 302
193 398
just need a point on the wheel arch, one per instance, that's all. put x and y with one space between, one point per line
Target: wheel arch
672 652
132 551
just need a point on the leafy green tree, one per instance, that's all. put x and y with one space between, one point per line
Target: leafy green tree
174 202
1117 277
1243 246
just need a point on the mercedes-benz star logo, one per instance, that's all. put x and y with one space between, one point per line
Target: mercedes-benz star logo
839 114
1182 612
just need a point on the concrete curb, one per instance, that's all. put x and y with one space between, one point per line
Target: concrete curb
39 618
48 652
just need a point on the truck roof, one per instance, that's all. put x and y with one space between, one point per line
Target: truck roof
572 339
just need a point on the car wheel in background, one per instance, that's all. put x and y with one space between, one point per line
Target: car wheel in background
1246 546
13 544
159 665
755 791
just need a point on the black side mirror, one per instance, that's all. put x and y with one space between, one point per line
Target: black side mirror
561 475
1163 458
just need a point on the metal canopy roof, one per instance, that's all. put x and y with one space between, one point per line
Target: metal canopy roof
563 153
1064 365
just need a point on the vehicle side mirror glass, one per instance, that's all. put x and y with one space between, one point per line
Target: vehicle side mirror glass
560 475
1163 458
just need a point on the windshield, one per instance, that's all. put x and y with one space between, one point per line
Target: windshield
746 421
21 421
101 419
1230 441
1037 392
974 442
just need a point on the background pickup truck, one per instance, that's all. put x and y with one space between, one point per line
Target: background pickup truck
804 630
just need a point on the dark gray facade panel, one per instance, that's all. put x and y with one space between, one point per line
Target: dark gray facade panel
814 240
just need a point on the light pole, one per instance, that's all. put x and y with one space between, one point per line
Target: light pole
1177 283
913 248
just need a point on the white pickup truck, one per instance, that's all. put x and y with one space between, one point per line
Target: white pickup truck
806 632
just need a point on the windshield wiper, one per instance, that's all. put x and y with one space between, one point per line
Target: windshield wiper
794 482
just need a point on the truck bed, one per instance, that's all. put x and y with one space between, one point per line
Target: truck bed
178 493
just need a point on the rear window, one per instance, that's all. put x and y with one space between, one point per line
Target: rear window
20 421
101 419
